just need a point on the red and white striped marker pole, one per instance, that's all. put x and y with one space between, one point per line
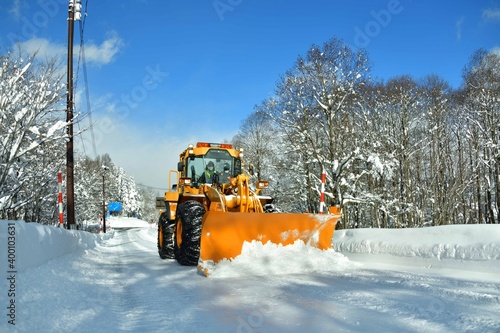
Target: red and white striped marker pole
322 195
60 197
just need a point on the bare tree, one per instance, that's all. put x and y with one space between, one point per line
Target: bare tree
256 136
441 181
482 91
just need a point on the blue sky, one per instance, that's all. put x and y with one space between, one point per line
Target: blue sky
163 74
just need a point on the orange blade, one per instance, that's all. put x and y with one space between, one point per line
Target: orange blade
223 233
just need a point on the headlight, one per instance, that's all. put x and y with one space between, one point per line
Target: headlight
261 184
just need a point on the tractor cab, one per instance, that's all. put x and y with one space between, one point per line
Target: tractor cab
210 163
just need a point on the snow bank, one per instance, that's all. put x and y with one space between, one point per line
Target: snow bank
36 243
466 247
465 242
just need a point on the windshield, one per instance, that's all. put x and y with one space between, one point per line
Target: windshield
223 164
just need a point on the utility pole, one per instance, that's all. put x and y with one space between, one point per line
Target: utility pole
74 14
104 169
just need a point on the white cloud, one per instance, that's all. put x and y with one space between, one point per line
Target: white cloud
98 54
146 157
491 14
144 151
104 53
44 48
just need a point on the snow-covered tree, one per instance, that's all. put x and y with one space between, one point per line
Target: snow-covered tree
148 209
314 110
30 125
401 153
90 177
88 189
129 194
482 106
439 170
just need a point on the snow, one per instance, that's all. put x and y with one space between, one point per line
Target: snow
257 259
40 243
56 127
435 279
470 250
126 223
19 74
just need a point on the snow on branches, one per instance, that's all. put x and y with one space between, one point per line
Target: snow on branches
30 94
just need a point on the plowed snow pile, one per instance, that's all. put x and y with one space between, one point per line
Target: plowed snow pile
263 259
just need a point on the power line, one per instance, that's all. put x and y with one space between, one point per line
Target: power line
87 95
86 84
151 187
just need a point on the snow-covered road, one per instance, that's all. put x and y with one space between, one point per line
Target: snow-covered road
121 285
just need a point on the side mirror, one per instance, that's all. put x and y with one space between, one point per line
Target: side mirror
180 166
250 169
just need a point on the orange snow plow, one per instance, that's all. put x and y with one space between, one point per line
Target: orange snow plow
223 234
212 210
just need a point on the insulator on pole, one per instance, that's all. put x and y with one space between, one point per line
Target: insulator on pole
78 10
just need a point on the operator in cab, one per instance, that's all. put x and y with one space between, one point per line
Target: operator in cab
208 177
225 175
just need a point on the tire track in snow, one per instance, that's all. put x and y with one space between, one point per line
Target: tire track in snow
133 302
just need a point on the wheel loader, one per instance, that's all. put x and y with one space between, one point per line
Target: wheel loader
211 210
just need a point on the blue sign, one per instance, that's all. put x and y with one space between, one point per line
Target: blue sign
114 206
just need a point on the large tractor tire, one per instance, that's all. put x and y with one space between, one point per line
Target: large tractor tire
166 237
188 232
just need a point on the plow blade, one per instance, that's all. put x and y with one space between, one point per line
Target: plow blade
223 233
